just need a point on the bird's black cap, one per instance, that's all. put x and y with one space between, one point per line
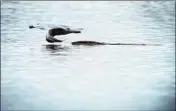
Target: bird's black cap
31 26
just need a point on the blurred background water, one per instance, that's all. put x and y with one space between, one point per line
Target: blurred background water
38 76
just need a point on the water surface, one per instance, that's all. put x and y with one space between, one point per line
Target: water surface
36 75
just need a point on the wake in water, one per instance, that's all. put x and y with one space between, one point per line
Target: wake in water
104 43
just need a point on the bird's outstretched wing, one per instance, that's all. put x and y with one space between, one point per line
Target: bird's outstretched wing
52 26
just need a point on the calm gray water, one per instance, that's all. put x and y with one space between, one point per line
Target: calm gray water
38 76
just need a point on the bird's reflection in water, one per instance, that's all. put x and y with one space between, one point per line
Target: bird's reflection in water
54 49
